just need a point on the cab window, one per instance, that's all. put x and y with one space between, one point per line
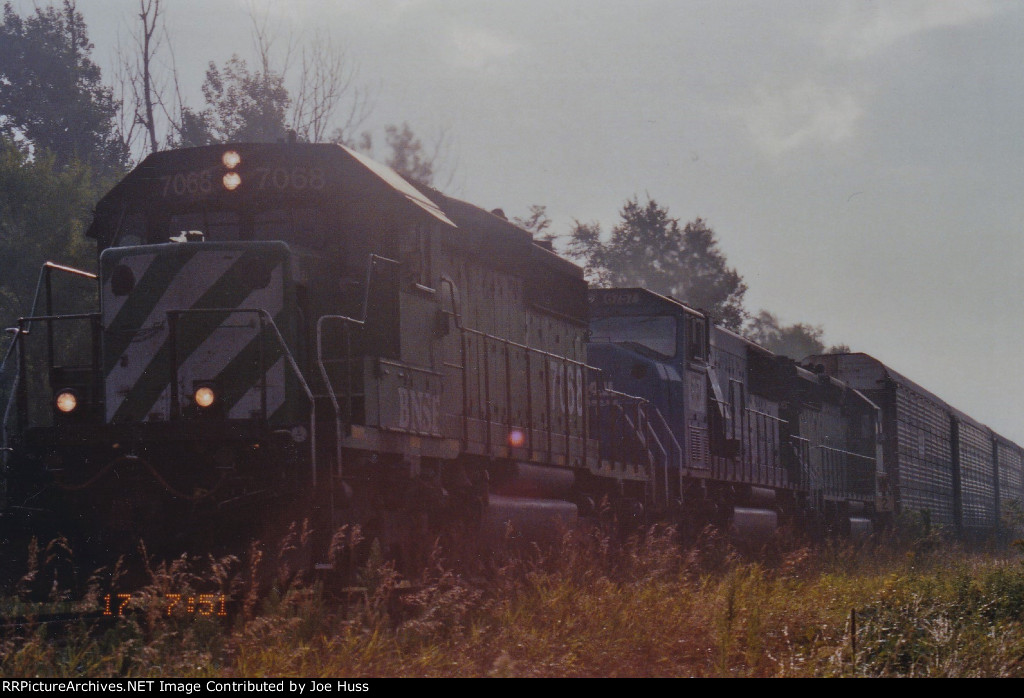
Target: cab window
654 332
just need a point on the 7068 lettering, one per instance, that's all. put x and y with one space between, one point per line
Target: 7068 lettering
200 182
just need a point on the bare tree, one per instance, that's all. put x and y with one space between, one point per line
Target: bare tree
149 13
326 90
144 85
263 39
327 79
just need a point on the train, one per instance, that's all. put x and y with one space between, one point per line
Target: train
294 330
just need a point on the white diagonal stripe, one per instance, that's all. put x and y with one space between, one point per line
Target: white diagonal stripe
192 281
249 404
224 343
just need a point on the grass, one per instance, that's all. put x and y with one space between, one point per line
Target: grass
584 607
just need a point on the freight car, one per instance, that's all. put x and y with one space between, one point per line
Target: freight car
940 463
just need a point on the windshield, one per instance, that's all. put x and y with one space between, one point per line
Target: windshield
657 332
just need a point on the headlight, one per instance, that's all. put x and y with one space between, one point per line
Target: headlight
66 401
205 396
232 180
231 159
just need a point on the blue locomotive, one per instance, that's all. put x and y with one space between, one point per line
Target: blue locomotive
758 436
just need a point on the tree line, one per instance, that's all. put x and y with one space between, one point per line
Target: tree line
66 136
650 249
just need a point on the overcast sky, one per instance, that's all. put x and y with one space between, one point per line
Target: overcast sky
859 161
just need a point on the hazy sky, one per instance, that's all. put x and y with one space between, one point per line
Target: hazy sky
859 161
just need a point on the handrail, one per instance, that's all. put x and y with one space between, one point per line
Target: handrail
846 453
44 276
672 436
172 316
528 351
347 322
4 447
677 449
664 453
45 272
502 340
815 478
18 397
270 323
625 397
780 420
29 319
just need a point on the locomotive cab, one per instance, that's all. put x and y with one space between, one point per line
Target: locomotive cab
656 348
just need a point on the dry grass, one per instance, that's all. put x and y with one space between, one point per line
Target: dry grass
583 607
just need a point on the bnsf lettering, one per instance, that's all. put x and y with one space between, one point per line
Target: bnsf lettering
419 411
566 387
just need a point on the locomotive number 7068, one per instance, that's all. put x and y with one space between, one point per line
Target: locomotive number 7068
201 182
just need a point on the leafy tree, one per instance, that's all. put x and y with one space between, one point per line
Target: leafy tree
51 94
241 105
649 249
194 128
44 212
795 341
408 156
537 222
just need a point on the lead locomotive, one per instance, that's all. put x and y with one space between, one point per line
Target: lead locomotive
293 330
